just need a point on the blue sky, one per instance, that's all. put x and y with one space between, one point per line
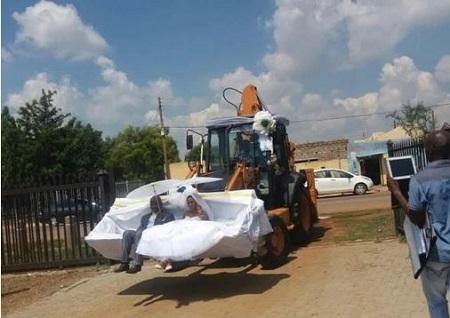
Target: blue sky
110 60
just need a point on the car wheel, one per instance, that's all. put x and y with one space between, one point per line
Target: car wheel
360 188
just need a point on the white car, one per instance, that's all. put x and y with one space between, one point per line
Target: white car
330 181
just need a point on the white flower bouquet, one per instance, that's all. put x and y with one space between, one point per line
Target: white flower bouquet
263 124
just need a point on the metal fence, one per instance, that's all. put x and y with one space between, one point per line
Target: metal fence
411 147
125 187
44 226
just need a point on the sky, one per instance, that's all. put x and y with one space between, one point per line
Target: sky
335 68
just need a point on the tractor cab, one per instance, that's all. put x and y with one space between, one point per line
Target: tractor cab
235 155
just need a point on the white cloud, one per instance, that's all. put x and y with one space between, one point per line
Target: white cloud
442 70
196 120
104 62
340 33
6 55
276 94
59 30
400 82
403 82
121 102
367 103
68 97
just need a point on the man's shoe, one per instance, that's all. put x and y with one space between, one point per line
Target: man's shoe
134 269
122 268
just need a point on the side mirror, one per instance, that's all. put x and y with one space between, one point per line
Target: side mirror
189 142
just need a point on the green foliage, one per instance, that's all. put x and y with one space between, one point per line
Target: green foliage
415 120
44 141
136 153
12 141
194 154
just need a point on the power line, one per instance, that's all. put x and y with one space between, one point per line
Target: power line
328 118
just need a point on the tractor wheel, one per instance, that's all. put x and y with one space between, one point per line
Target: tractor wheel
302 217
276 245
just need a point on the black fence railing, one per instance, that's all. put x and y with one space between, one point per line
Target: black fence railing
44 226
125 187
410 147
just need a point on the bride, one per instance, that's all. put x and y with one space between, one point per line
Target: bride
185 238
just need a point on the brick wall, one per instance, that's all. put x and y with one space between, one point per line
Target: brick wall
321 150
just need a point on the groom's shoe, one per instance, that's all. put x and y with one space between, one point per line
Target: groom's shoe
122 268
134 269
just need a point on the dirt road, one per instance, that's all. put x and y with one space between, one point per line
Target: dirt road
380 198
353 280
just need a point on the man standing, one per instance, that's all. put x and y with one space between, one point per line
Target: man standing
155 217
429 192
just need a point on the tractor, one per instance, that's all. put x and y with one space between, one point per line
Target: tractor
243 159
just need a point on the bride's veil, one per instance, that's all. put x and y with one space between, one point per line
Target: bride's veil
200 201
179 195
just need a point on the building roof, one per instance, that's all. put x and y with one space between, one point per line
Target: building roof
396 133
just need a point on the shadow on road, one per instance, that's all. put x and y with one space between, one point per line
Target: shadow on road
201 286
317 233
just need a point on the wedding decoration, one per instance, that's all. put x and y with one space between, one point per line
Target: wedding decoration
263 124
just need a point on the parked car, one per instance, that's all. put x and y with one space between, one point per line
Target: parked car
81 209
329 181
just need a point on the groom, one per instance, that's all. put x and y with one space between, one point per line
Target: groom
157 216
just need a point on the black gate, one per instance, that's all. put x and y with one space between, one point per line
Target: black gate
411 147
44 225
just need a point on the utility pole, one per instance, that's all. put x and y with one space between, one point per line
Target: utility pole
163 134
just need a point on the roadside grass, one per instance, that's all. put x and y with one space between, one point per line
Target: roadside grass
368 225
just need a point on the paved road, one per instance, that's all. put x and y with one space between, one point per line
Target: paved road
380 199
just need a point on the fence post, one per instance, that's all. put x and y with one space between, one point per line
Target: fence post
107 189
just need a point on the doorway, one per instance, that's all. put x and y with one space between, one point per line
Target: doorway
370 167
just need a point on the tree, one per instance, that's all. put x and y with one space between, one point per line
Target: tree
43 141
415 120
136 153
12 139
83 147
194 154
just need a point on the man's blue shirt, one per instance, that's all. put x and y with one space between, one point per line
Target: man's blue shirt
429 190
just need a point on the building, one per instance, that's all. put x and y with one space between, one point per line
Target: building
363 157
330 154
368 156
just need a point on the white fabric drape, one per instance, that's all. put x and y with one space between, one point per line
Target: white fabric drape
238 219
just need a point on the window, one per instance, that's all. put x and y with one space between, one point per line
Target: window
340 174
322 174
244 146
214 156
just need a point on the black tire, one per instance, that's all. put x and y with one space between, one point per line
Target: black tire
276 245
302 217
360 188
